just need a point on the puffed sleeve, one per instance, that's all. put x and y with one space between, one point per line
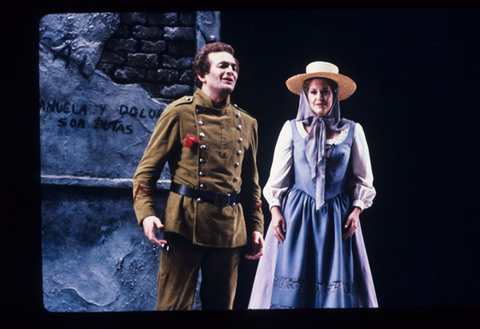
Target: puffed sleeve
279 180
362 178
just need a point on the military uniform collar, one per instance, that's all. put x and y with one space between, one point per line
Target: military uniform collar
205 101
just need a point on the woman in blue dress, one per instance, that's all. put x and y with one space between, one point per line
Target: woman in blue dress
320 181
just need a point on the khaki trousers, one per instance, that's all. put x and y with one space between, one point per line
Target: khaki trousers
178 275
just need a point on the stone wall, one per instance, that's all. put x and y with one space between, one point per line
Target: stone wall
104 80
155 50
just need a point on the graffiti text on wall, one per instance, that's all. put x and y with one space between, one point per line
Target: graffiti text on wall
81 117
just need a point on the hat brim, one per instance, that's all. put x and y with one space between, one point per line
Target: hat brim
346 86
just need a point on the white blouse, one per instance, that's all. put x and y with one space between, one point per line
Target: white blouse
279 181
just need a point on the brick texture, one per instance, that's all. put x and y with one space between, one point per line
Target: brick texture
155 50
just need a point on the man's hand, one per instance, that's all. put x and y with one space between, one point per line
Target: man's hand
257 243
149 224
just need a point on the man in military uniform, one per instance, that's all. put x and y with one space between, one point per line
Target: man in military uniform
214 205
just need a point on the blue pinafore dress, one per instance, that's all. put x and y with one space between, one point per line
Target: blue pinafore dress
315 266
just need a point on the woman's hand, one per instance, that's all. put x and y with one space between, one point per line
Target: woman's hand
278 223
352 223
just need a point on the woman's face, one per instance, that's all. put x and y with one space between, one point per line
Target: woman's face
320 96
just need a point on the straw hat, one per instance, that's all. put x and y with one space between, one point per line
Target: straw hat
346 86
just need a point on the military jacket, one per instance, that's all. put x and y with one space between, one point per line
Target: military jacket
210 149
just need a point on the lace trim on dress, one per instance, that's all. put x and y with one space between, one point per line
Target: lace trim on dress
337 140
336 287
281 307
340 138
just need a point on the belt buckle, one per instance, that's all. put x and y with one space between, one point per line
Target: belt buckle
222 199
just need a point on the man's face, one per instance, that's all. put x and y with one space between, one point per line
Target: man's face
223 74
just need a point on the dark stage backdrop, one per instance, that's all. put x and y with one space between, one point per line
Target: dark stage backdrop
417 74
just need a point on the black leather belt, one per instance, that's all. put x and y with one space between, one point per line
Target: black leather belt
218 199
